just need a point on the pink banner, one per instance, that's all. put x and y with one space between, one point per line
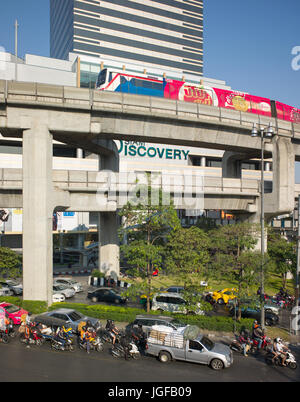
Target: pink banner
243 102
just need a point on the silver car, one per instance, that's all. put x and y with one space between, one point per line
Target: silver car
67 292
65 316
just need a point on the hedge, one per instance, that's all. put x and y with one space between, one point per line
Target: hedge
33 306
128 314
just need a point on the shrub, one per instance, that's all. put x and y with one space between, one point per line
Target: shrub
32 306
97 274
127 314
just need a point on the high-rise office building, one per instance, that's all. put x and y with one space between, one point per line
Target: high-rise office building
166 34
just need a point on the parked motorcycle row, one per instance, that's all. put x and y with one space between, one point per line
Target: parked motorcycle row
63 339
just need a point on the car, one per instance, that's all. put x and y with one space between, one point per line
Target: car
66 291
5 291
223 296
67 317
252 312
148 320
58 298
269 306
106 294
13 312
171 302
173 289
15 287
70 283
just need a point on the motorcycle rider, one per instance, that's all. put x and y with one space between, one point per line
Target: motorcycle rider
125 343
139 336
244 338
88 335
112 330
257 334
60 336
282 350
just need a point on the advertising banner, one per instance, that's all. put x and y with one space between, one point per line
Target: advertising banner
243 102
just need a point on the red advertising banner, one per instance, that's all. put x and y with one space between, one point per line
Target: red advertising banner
243 102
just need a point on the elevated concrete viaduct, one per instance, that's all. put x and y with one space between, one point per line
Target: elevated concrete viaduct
90 120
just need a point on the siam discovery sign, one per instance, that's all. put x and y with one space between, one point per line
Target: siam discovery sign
141 149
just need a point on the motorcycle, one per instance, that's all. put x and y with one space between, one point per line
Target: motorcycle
62 344
4 336
266 344
290 360
237 344
130 351
35 337
95 343
11 330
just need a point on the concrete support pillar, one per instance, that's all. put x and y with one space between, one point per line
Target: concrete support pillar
109 244
203 161
37 213
109 254
232 165
282 198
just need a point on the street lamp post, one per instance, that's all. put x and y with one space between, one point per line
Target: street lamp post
264 134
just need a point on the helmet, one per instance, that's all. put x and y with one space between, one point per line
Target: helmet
88 323
279 340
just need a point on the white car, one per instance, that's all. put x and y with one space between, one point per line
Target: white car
58 298
60 288
171 302
5 291
71 283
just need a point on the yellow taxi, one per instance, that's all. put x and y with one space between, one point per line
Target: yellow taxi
223 296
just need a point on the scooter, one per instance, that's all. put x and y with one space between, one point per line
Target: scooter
290 360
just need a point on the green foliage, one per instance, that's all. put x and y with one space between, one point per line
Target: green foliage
127 314
10 263
283 255
97 274
32 306
146 226
187 251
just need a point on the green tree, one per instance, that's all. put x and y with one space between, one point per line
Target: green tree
233 257
186 259
283 253
10 263
146 227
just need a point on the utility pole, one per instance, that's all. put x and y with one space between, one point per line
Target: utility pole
16 50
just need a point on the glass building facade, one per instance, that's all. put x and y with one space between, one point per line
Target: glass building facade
165 34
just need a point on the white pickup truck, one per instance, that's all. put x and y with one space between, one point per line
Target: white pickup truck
189 346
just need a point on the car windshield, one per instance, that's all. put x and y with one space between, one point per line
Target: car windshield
178 324
206 342
11 282
12 309
61 287
75 316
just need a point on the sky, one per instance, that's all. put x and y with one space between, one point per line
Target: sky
248 44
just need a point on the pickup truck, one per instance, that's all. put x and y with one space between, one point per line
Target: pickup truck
200 350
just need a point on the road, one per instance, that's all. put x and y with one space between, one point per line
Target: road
41 364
